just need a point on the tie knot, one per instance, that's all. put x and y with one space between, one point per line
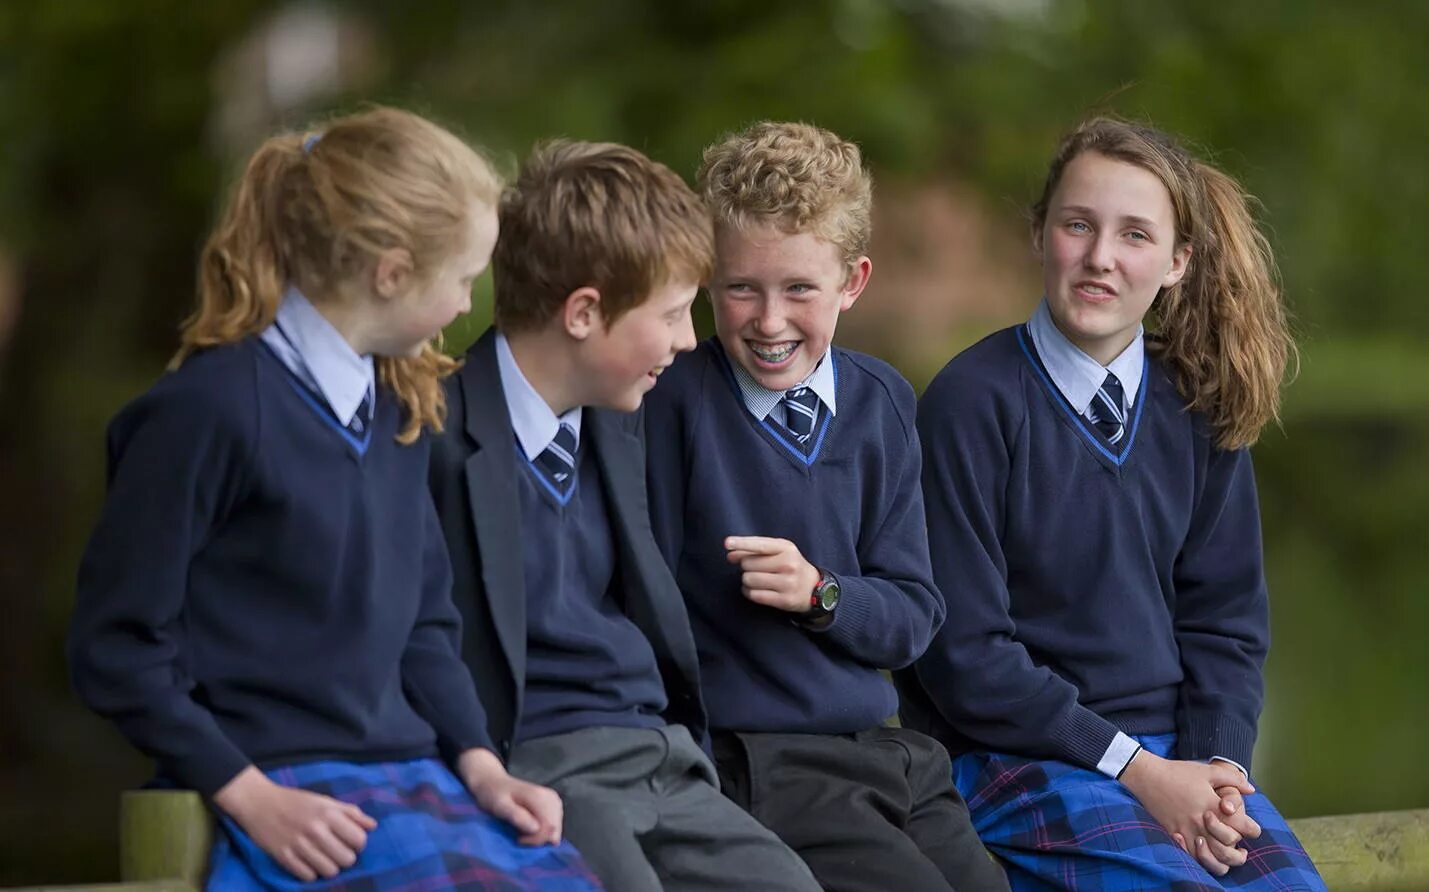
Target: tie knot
565 438
358 424
1108 409
1112 384
565 442
802 395
558 460
801 409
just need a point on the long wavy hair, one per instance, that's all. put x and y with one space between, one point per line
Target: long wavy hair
1223 330
320 207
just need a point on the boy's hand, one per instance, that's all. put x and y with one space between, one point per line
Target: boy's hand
1180 795
775 572
535 811
309 834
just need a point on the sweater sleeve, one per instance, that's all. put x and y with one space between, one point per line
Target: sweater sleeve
888 607
179 459
980 677
437 683
1221 615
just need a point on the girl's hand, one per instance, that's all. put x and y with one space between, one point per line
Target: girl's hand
310 835
535 811
775 572
1179 795
1231 819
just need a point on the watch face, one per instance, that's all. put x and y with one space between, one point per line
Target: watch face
829 595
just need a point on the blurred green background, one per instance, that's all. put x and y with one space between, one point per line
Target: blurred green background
120 123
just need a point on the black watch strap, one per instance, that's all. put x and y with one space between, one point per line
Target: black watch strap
823 600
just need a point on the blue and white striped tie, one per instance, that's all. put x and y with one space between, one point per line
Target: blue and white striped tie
801 410
558 460
1107 410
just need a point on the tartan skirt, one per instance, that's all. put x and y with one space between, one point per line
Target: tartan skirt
1056 826
430 835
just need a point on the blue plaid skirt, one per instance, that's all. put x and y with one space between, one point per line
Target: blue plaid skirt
430 835
1056 826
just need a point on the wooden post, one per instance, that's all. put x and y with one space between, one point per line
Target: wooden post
164 835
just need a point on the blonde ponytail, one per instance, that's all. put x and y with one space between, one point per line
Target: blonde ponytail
321 210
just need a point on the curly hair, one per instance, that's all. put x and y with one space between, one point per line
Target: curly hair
798 177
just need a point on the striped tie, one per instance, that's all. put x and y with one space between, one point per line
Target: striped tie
558 461
1107 410
801 410
358 424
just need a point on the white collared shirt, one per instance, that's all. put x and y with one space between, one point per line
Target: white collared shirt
532 418
764 403
1076 374
320 356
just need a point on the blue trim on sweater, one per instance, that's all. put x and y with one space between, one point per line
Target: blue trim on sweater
561 500
359 445
794 448
321 407
1079 420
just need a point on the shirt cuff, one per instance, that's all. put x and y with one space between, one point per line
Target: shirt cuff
1118 755
1233 763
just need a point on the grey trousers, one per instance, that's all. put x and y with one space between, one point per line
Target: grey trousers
643 806
874 811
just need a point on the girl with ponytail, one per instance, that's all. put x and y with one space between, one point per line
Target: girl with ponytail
1094 527
264 606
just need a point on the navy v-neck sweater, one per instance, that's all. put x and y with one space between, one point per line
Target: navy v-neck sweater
587 663
1090 588
852 506
262 589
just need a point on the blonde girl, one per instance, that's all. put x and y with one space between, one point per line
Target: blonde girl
264 605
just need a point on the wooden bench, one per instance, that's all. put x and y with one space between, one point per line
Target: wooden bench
165 837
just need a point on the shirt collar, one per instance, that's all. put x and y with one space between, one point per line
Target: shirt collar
1076 374
760 400
531 416
336 370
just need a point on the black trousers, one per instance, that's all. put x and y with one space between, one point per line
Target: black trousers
874 811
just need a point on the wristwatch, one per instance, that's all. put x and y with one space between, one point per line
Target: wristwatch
822 601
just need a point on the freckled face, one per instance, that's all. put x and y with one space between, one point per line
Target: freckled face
777 298
622 360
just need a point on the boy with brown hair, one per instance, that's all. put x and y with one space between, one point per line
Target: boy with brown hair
784 492
574 628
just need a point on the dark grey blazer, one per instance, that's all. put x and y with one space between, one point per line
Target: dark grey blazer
473 483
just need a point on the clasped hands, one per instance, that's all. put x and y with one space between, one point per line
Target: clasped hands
1202 806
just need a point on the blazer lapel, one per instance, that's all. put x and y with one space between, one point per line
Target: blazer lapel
494 502
652 599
